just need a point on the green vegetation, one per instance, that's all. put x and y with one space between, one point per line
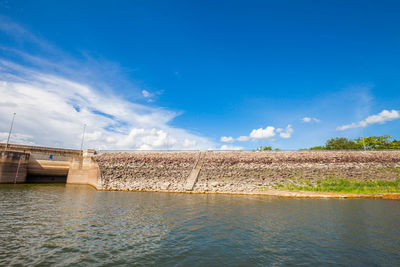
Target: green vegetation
264 148
343 186
383 142
369 143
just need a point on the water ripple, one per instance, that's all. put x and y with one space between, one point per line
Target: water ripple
66 225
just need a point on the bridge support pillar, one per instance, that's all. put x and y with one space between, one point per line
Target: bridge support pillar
84 170
13 167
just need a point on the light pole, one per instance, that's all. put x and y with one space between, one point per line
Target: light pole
83 135
9 133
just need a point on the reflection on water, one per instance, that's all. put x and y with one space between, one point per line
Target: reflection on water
77 225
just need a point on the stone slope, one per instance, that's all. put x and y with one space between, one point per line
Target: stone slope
145 171
241 171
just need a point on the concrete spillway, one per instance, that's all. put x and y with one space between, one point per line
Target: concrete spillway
21 164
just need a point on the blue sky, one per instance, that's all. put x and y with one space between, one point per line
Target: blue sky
202 73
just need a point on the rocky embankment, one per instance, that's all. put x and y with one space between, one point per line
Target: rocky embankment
242 171
145 170
254 171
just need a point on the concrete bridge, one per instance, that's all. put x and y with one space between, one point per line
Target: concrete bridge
33 164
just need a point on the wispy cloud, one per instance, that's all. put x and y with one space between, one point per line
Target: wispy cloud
17 138
382 117
227 139
285 133
146 94
54 97
151 96
230 147
308 120
21 35
242 138
261 133
51 110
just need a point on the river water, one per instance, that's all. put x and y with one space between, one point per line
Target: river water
63 225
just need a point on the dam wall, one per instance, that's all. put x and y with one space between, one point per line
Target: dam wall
53 163
241 171
13 167
84 170
194 171
47 165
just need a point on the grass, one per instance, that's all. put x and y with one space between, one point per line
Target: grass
344 186
397 169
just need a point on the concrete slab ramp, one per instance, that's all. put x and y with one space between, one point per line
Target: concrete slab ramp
194 174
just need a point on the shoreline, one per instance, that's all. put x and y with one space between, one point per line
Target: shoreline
276 193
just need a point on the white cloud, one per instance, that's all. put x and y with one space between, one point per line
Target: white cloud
227 139
229 147
94 136
308 119
382 117
285 133
261 133
57 94
147 138
151 96
243 138
146 93
189 143
51 111
17 138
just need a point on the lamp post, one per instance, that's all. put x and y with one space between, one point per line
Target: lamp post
83 135
9 133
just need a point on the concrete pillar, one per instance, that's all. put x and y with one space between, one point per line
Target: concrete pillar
84 170
87 157
13 167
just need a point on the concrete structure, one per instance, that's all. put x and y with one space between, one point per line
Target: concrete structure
13 167
47 165
194 171
192 179
84 170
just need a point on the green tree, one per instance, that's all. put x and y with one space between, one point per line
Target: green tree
395 144
340 143
264 148
370 142
375 142
317 148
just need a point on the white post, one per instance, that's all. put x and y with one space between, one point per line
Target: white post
9 133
